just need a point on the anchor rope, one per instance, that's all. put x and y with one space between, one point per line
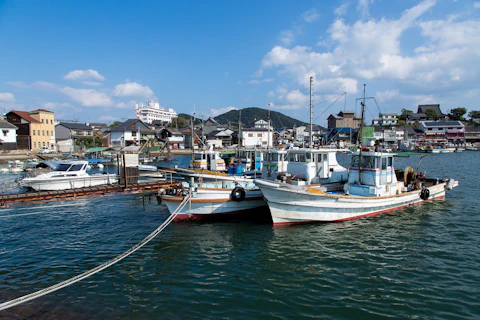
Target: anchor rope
99 268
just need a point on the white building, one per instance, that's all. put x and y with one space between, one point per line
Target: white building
256 137
152 111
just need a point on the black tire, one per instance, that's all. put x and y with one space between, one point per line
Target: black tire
425 194
238 194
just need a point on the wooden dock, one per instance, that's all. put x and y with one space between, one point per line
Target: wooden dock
32 198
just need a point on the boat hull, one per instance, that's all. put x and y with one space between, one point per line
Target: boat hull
217 204
289 206
54 184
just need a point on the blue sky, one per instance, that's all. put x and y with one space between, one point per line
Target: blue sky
93 60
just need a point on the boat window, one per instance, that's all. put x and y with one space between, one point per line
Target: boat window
63 167
76 167
384 163
301 157
274 156
355 161
368 162
390 161
198 156
308 157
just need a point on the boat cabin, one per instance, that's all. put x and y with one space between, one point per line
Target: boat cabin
312 165
372 174
208 160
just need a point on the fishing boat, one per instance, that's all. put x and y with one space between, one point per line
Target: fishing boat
68 174
373 187
220 200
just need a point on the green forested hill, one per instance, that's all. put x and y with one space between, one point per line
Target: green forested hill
250 115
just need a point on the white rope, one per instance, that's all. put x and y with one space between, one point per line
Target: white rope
101 267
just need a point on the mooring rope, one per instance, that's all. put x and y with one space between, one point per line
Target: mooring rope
101 267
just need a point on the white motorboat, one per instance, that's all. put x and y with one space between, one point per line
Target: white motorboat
69 174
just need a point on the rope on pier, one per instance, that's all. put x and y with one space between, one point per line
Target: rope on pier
101 267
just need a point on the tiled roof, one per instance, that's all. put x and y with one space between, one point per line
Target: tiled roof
26 116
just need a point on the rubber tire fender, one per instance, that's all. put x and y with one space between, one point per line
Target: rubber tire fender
425 194
238 194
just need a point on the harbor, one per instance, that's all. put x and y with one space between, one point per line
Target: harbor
418 256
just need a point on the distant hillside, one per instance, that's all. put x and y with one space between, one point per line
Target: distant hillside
250 115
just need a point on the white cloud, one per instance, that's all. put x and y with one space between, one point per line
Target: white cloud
270 94
261 81
92 83
363 8
476 5
78 75
342 10
44 85
216 112
18 84
88 97
6 97
132 89
310 16
258 73
128 105
387 95
57 105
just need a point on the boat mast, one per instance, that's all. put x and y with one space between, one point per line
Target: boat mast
362 103
268 145
311 113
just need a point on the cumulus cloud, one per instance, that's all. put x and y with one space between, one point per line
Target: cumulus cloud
261 81
18 84
373 50
6 97
132 89
216 112
88 97
57 105
476 5
342 10
44 85
92 83
310 16
80 75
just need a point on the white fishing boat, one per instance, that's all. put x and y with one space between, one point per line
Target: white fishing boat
67 174
373 187
227 199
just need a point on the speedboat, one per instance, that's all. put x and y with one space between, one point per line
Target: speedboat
68 174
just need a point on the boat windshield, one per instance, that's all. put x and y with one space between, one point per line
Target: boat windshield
63 167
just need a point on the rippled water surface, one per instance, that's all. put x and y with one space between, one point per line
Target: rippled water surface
418 263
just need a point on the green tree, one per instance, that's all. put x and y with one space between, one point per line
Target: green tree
474 114
114 124
431 114
179 122
403 115
457 113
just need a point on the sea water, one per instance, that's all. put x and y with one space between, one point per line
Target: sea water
421 262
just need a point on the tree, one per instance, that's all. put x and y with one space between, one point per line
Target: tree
179 122
474 114
114 124
431 114
404 114
457 113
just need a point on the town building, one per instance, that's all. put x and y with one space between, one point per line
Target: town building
153 111
68 133
172 138
8 136
344 119
442 132
130 132
385 120
36 129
